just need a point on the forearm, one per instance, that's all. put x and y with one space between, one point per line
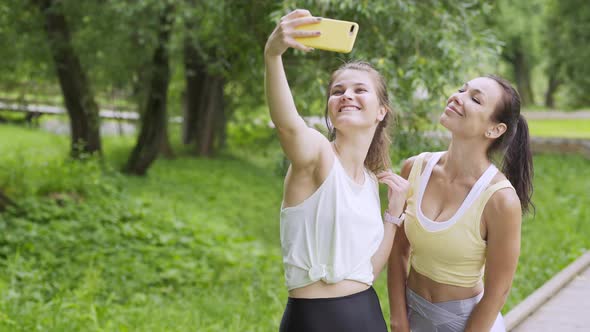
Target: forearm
380 257
278 95
397 272
483 316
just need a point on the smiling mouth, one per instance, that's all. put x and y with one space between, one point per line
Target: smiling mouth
348 109
453 109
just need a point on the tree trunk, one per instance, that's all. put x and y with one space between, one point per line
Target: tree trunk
166 148
205 119
551 89
212 117
140 89
78 96
154 122
522 75
195 77
4 201
221 122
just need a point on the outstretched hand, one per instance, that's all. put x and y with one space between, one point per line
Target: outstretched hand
397 191
285 33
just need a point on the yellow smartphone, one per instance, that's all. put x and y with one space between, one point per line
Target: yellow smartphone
337 36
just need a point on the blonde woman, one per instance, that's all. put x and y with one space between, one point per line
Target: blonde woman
334 240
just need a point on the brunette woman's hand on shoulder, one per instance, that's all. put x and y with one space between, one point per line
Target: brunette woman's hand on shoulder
302 145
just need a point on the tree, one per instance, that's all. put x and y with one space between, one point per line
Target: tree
567 32
4 201
204 98
215 57
154 121
77 94
518 24
420 46
515 53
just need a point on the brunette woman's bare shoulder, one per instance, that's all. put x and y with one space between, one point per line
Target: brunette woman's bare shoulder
499 177
409 163
504 205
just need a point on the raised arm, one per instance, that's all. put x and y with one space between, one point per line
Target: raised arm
301 144
397 272
502 216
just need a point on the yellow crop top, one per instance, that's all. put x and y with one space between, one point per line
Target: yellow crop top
450 252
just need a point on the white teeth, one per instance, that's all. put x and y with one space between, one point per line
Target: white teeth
349 109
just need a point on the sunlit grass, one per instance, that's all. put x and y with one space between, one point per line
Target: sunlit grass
570 128
195 245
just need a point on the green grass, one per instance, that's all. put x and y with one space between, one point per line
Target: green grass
562 128
195 245
559 232
570 128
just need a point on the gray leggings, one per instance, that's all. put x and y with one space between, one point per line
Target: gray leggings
449 316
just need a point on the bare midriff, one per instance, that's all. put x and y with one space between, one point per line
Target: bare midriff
435 292
320 289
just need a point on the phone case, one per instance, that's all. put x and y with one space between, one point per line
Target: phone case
337 36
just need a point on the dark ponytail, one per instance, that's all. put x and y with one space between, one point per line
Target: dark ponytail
517 161
518 164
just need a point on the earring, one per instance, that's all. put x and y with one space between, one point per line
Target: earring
488 134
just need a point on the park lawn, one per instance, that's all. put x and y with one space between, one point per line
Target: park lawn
567 128
194 246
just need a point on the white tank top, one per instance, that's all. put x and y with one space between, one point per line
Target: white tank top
332 235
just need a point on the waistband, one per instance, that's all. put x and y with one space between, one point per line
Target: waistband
446 310
367 292
444 316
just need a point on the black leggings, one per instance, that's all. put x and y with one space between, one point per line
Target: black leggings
358 312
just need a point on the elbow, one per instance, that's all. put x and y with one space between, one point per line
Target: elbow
376 273
503 296
497 297
399 257
503 293
378 265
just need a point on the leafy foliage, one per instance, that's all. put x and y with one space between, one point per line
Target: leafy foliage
421 48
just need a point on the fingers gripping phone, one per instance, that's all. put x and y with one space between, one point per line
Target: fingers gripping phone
336 35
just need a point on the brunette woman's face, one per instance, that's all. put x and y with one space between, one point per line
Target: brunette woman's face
469 110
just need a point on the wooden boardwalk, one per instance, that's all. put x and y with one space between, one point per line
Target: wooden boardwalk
561 305
56 110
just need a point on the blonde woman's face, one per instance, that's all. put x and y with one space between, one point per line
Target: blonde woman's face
353 101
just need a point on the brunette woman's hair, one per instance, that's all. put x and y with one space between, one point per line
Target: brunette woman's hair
378 156
517 158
